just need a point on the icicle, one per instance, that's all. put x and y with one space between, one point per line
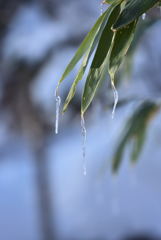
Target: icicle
115 93
58 102
143 16
84 136
101 8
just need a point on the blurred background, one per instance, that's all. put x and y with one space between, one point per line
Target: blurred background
43 192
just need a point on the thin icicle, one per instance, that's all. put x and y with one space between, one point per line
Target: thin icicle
116 97
101 8
144 16
84 136
58 102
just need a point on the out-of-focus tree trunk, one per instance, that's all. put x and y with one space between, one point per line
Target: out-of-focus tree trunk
26 119
44 195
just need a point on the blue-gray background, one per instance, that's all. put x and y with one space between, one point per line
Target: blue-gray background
43 193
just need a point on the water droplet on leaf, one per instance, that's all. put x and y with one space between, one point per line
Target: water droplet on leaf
144 16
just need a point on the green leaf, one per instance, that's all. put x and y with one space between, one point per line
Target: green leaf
99 62
86 60
120 44
132 10
87 43
135 129
138 144
142 27
112 1
77 79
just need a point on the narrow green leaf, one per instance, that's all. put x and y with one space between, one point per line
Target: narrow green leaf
135 128
141 28
113 1
132 10
77 79
138 144
120 44
87 42
86 60
99 62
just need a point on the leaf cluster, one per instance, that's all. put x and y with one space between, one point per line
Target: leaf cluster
108 43
109 39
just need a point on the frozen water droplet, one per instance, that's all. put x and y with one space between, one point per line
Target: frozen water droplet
115 93
101 8
84 136
58 102
143 16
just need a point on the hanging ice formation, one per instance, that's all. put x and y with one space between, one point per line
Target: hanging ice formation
115 93
58 102
101 8
84 136
144 16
